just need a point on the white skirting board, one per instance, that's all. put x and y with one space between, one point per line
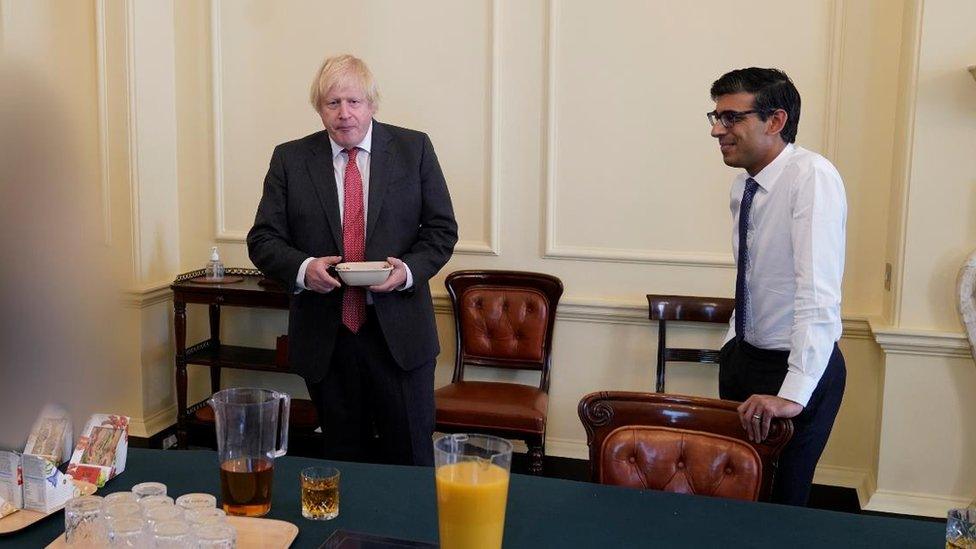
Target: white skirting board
152 424
861 480
910 503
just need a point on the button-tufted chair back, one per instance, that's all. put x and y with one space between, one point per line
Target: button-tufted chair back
504 323
681 444
503 319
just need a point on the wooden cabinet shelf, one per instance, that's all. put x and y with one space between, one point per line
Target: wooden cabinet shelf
233 356
244 288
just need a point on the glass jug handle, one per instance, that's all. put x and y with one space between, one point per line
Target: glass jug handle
283 414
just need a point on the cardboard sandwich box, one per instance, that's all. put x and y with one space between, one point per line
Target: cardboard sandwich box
46 488
101 450
11 483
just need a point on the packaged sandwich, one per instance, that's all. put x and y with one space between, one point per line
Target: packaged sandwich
6 508
50 437
45 488
11 481
101 450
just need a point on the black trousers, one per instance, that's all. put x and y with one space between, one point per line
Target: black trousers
370 409
746 370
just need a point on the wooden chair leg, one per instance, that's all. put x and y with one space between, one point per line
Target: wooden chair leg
537 453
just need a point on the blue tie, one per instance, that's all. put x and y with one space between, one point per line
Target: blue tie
741 292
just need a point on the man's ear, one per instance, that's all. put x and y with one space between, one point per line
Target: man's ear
776 121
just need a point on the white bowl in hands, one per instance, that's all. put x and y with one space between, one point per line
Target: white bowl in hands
364 273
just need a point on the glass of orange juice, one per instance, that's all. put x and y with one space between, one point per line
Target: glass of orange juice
472 488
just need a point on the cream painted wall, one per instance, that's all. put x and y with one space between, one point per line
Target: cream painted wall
926 446
943 168
524 101
535 94
919 438
65 340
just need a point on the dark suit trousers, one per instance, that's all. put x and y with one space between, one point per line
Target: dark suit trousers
370 409
746 370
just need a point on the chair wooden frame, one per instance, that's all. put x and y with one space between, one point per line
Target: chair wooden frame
603 412
548 286
666 308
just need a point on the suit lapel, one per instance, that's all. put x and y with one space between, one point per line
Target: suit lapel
382 160
322 172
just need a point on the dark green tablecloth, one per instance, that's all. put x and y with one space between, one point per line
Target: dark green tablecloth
400 502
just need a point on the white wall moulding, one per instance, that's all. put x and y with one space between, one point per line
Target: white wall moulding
567 448
607 311
150 425
856 327
659 257
557 184
151 78
907 503
147 296
835 56
132 139
489 244
921 342
103 147
902 185
581 310
861 480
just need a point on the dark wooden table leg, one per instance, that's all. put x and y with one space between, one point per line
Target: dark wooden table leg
179 309
215 342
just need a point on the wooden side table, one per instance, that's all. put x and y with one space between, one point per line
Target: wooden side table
251 290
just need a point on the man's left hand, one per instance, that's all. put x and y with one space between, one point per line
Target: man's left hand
396 279
758 411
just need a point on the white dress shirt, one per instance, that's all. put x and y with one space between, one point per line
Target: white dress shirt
340 159
796 244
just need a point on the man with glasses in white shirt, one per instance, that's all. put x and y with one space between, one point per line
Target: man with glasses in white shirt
789 214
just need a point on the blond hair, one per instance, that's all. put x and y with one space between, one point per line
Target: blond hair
340 70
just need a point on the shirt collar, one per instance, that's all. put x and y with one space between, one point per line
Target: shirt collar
365 144
768 176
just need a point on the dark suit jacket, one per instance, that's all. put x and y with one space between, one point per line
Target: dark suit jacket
409 216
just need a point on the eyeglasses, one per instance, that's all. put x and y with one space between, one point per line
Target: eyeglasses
729 118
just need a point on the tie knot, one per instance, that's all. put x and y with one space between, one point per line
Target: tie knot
751 185
352 153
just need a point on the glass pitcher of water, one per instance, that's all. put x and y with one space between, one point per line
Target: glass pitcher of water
252 430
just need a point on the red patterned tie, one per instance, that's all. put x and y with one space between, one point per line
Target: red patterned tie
353 241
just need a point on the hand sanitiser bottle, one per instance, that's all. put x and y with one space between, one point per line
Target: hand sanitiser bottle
215 269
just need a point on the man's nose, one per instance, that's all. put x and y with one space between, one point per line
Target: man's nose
343 109
718 130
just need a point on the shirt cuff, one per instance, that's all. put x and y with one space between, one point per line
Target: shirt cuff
300 279
798 388
409 282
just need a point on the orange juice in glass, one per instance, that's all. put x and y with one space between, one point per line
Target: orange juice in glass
472 489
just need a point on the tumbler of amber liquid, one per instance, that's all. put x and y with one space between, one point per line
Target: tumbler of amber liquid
320 493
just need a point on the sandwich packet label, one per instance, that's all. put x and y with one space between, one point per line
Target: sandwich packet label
11 482
46 489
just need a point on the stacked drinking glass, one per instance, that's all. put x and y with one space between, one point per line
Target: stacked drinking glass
147 517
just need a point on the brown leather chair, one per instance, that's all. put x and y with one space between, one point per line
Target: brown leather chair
665 308
681 444
504 319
